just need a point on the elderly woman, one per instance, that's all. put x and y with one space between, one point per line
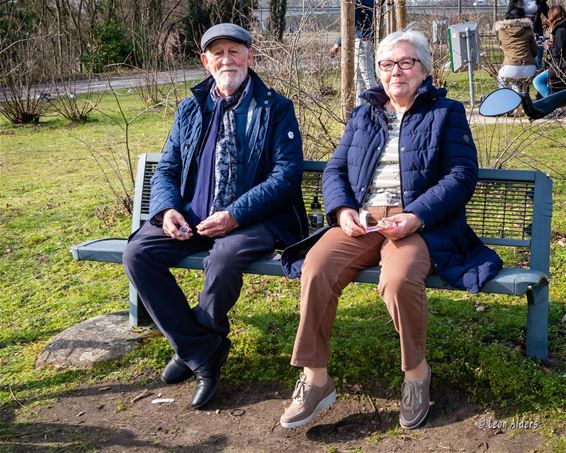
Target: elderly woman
407 161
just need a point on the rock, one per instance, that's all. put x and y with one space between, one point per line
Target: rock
97 340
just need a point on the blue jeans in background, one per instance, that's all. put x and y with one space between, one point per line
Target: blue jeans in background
364 66
540 83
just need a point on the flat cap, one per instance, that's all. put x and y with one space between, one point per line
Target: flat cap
232 32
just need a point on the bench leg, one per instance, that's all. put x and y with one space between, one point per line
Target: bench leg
138 314
537 322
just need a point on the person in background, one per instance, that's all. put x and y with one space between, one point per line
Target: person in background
229 181
557 49
395 193
555 46
534 10
517 40
364 62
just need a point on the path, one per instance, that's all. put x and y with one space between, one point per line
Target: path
244 418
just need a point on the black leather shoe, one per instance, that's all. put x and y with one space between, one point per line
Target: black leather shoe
208 377
176 371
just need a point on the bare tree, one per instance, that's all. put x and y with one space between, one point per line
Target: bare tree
23 63
277 12
302 71
117 168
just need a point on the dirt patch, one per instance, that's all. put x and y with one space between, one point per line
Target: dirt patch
244 418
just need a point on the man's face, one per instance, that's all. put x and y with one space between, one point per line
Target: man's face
228 62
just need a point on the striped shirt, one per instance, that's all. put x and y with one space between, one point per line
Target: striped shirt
385 185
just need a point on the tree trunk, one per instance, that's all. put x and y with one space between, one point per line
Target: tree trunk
277 12
401 10
347 31
390 17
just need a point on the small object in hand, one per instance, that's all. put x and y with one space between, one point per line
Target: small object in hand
370 223
184 230
385 225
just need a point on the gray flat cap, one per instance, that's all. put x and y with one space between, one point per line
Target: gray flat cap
232 32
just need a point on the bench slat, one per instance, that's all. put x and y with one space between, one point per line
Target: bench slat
105 250
511 281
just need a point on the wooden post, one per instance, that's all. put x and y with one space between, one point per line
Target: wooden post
379 16
347 30
401 9
495 11
390 17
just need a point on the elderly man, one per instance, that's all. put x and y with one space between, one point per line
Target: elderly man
228 182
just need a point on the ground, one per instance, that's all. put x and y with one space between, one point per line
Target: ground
244 418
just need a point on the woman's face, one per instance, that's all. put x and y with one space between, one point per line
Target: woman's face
401 84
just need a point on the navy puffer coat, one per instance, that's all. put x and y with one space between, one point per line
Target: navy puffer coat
438 164
272 165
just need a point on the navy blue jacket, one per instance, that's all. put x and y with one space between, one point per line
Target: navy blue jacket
270 187
438 164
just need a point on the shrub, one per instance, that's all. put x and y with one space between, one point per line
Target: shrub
111 46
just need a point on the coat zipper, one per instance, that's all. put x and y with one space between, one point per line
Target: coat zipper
399 154
399 149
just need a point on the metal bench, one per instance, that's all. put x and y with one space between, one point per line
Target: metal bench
510 208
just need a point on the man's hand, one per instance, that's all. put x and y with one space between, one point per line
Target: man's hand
406 223
349 221
218 224
175 225
334 50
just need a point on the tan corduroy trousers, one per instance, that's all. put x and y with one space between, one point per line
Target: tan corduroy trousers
335 261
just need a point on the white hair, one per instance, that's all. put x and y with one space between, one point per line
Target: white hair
414 37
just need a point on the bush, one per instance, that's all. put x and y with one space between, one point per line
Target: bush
111 46
23 64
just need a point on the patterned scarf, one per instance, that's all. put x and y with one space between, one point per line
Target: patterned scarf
226 153
217 160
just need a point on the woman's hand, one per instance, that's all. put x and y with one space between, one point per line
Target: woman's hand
349 221
406 223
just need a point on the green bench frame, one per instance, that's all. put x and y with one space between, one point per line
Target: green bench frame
510 208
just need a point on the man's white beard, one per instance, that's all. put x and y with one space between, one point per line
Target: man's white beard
230 82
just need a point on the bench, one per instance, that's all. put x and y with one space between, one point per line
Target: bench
510 208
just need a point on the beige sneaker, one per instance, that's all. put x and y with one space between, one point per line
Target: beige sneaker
308 399
415 400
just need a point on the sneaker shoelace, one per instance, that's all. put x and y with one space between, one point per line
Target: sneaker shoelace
412 395
299 392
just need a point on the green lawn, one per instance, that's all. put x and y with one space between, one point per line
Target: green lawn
53 195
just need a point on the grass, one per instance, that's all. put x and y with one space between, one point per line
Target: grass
52 196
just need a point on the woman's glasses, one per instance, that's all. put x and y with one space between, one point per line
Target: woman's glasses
403 63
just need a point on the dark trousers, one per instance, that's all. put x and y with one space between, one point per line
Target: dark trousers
194 333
